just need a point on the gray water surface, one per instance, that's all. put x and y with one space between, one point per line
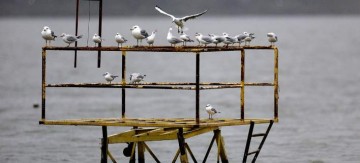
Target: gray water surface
319 89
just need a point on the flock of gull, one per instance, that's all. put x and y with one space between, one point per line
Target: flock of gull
141 34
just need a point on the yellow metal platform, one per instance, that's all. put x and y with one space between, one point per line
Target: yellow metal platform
156 122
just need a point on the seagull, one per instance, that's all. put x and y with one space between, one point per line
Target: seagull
179 21
136 78
97 39
69 38
150 40
203 39
109 77
228 39
240 38
120 39
216 39
172 39
210 110
185 38
139 34
272 38
48 35
249 37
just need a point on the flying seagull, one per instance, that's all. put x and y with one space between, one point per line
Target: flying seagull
179 21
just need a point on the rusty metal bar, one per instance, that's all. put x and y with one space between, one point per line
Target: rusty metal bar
197 97
276 82
151 153
76 30
160 48
190 152
43 84
242 90
104 145
99 32
123 77
157 84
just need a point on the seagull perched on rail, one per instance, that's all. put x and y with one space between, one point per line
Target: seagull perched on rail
151 39
69 39
203 39
272 38
172 39
139 34
185 38
216 39
48 35
109 77
210 110
179 21
97 39
120 39
136 78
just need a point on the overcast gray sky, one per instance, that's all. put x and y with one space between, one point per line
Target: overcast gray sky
180 7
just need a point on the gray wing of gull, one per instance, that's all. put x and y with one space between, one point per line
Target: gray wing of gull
144 33
214 110
185 18
71 38
207 39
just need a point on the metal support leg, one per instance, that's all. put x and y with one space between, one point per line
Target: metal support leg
248 141
183 155
104 145
123 82
141 149
197 105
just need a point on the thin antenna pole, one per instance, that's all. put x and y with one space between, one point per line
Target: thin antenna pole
76 30
100 26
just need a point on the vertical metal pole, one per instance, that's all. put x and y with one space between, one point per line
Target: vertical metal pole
76 30
123 74
276 82
43 83
104 145
100 26
141 149
248 141
242 94
263 141
197 88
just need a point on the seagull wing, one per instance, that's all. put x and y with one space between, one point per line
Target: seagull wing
144 33
214 110
185 18
207 39
71 38
163 12
53 34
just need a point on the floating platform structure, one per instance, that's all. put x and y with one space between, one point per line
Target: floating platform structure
159 129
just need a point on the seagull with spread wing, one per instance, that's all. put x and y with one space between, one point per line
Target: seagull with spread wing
179 21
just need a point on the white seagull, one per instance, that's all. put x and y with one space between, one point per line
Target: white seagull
139 34
150 40
69 38
249 37
210 110
203 39
272 38
172 39
48 35
97 39
120 39
109 77
185 38
216 39
179 21
228 39
136 78
240 38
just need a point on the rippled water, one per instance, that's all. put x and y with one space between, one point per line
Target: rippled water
319 89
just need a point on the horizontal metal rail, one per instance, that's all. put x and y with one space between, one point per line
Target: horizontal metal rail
180 86
160 48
